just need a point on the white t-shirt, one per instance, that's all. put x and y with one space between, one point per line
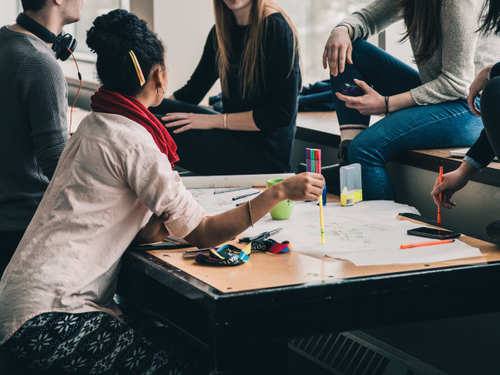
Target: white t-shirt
109 179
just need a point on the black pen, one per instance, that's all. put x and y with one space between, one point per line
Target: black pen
233 189
161 246
246 195
193 253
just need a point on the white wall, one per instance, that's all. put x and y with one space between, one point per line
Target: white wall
8 13
183 26
393 35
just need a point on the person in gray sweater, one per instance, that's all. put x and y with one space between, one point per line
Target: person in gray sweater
423 109
33 124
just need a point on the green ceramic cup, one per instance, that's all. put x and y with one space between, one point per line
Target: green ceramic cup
283 211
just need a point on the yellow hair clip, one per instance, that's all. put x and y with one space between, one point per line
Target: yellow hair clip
137 67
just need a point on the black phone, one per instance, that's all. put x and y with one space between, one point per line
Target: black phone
350 89
440 234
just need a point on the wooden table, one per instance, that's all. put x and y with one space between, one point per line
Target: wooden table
242 317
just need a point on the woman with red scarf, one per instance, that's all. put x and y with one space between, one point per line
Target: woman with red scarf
114 184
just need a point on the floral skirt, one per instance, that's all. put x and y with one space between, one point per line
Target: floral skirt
92 343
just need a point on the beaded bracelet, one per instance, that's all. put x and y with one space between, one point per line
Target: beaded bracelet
387 106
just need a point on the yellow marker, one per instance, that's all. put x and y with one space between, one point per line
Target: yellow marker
321 223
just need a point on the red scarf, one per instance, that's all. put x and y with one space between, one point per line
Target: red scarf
111 102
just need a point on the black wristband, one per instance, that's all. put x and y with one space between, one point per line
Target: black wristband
343 24
387 106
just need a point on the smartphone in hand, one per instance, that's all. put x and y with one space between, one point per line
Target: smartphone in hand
350 89
440 234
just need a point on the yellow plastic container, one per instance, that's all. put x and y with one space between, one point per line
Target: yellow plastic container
351 187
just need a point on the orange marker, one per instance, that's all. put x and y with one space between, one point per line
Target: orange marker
440 195
430 243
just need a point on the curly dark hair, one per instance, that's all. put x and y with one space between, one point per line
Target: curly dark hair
112 36
33 5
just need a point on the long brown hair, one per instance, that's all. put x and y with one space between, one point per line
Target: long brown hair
490 17
422 19
252 63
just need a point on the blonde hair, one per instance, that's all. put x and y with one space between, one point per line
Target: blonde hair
252 66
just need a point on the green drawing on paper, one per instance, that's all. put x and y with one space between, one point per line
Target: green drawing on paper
347 232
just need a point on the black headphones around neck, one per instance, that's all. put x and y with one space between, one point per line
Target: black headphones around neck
60 43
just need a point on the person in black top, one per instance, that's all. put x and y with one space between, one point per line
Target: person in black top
253 49
487 146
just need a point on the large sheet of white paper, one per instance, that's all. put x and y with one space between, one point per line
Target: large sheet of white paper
202 182
216 203
365 234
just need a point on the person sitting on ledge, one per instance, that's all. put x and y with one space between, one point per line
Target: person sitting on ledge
253 49
424 109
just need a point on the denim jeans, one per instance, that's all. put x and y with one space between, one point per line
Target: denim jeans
444 125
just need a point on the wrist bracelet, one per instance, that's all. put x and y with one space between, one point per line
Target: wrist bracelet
343 24
225 121
387 106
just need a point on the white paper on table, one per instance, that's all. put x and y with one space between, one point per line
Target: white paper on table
365 234
216 203
425 254
202 182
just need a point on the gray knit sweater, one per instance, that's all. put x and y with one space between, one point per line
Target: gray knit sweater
462 54
33 125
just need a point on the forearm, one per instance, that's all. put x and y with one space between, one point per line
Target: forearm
373 18
481 153
467 170
217 229
401 101
242 121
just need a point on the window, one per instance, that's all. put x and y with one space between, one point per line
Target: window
91 9
314 20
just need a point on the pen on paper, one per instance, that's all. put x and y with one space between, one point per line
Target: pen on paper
233 189
246 195
430 243
241 204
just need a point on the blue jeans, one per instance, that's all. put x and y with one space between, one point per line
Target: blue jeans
444 125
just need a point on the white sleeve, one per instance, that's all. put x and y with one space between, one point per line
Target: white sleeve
148 172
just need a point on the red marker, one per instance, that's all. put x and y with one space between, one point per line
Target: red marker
440 195
430 243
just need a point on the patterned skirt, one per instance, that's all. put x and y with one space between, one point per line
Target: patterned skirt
92 343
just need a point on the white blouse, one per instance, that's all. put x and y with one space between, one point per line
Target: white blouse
109 179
